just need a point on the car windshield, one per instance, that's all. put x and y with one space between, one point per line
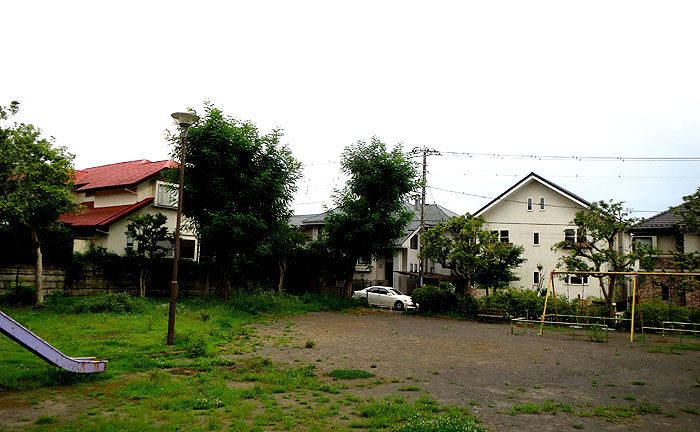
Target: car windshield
395 291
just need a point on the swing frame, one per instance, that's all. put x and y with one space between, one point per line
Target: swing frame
550 287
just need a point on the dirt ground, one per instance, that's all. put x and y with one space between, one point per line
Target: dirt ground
488 370
482 367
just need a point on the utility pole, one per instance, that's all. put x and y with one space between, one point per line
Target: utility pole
425 151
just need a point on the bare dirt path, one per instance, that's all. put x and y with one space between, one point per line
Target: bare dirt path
490 371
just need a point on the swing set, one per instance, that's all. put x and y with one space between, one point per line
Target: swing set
550 288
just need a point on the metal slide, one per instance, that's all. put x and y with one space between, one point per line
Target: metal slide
38 346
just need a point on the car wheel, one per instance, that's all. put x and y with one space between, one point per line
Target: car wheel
398 305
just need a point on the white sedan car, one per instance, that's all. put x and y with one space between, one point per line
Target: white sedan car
385 297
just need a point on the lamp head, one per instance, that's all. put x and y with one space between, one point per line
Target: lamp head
185 119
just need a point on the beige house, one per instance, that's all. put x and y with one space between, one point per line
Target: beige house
112 193
535 214
402 270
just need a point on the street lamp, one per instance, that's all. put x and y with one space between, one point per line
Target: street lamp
185 120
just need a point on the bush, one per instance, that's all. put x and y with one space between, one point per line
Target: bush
655 311
116 303
468 306
435 299
19 295
516 302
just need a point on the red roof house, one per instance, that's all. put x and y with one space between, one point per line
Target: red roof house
112 193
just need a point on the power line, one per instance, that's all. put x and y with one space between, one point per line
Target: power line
578 158
585 176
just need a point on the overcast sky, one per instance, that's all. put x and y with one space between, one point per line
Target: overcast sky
587 79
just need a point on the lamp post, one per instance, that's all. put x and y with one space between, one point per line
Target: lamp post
185 120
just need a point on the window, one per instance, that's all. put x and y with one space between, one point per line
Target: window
361 261
414 242
502 235
187 248
529 204
571 235
536 239
576 280
541 203
411 267
166 194
129 242
647 241
536 278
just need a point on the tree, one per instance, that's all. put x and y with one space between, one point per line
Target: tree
35 183
286 243
369 214
595 247
238 188
689 213
472 252
149 232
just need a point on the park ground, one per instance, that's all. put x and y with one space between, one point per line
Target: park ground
277 374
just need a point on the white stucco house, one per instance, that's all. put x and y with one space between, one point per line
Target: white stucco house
112 193
535 214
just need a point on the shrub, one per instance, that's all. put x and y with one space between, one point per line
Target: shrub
197 346
522 302
19 295
655 311
468 306
116 303
435 299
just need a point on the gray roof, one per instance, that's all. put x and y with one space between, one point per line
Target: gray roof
667 220
432 215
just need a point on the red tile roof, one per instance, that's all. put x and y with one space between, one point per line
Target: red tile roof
103 216
122 174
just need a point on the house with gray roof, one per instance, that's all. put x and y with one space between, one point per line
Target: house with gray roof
663 232
402 270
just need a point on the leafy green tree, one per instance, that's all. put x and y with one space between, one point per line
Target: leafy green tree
287 243
689 213
369 214
149 232
35 183
464 245
596 248
238 189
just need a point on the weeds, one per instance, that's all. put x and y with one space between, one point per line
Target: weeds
349 374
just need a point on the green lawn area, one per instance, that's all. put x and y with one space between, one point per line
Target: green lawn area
210 379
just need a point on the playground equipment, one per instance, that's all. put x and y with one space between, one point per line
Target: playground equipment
550 287
45 351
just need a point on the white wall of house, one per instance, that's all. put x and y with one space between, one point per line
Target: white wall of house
537 228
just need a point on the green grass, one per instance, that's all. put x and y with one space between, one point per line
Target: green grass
200 383
347 374
549 406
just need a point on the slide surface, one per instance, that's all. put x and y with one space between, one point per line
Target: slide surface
42 349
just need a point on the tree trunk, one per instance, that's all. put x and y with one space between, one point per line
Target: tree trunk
460 287
283 270
608 293
39 269
223 285
347 288
144 279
